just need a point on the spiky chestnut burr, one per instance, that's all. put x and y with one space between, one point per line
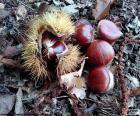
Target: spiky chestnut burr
70 61
56 22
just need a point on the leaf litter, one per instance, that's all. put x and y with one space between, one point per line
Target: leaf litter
80 8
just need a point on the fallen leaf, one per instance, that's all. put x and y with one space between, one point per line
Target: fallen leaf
43 7
134 82
19 105
68 79
131 102
75 83
10 62
2 6
6 103
3 13
70 9
58 3
21 12
79 92
134 92
70 1
11 51
135 25
79 82
102 9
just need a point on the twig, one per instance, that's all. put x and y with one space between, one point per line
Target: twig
133 41
75 101
121 79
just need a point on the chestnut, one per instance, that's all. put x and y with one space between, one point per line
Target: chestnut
100 79
84 32
108 31
54 48
100 53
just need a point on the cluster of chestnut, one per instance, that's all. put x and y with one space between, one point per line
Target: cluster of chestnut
100 52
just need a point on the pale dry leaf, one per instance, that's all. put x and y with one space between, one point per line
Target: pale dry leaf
31 1
79 92
19 105
2 6
102 9
58 3
131 102
70 1
21 12
70 9
75 81
67 79
134 82
6 103
78 82
3 13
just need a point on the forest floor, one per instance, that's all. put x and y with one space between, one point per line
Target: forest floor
19 94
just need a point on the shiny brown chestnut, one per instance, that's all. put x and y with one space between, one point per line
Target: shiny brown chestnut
100 53
100 79
84 32
108 31
54 48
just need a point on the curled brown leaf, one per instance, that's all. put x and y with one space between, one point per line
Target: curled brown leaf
102 9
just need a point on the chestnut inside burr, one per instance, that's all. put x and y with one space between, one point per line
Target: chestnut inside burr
52 46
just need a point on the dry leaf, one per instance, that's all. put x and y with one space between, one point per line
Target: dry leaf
134 92
10 62
21 12
11 51
6 103
68 79
79 92
78 82
43 7
19 105
70 9
70 1
75 82
58 2
3 13
102 9
134 82
2 6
